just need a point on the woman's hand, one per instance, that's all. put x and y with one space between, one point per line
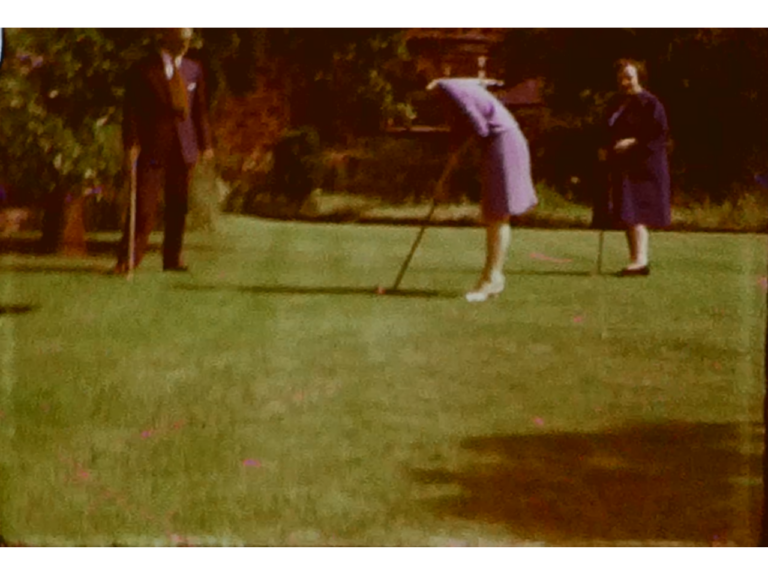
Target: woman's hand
624 145
131 157
485 82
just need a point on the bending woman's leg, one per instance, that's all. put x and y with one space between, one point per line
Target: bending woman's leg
497 239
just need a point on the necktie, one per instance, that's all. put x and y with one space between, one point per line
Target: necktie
179 94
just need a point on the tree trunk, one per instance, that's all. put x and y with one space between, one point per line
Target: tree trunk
53 218
72 240
64 225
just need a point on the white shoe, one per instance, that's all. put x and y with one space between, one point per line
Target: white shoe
486 289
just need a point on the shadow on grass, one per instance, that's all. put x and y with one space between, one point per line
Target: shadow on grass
48 268
582 273
32 246
94 247
17 309
575 273
320 291
474 272
682 482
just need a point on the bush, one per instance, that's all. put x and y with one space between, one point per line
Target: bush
207 193
296 170
400 170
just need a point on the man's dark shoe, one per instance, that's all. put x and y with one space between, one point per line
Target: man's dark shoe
120 269
176 268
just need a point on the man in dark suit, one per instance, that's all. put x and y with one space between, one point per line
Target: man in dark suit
165 127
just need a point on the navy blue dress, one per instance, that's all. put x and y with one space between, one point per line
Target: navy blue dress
638 179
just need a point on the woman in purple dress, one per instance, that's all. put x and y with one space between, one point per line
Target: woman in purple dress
638 165
507 187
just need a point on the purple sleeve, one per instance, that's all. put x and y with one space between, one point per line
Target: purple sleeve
465 96
653 130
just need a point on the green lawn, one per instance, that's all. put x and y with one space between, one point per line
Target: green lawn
271 397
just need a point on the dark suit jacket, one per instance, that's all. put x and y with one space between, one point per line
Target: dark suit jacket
150 121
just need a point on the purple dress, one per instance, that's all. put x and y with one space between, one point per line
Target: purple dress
506 174
639 177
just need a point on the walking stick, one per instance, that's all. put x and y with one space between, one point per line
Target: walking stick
132 223
602 202
600 252
438 191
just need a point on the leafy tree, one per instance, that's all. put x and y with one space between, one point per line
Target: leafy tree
711 82
340 81
60 97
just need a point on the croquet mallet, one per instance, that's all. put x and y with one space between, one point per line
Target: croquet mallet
132 221
450 165
600 241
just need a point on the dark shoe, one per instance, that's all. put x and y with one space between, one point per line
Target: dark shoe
176 268
120 269
644 271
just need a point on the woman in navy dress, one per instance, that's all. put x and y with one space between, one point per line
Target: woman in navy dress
638 165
